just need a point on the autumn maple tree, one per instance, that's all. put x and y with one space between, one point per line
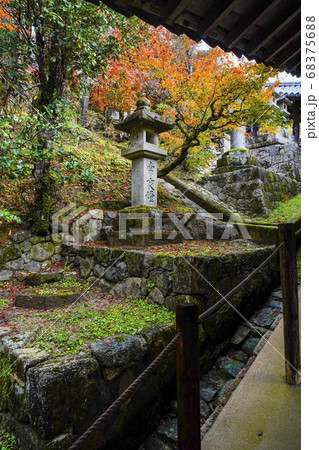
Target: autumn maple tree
206 93
48 47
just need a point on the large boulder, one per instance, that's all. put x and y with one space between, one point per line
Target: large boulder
119 350
41 251
237 157
41 301
5 275
131 288
156 296
73 385
16 264
9 252
21 236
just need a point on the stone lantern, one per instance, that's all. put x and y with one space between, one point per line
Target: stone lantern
283 103
144 127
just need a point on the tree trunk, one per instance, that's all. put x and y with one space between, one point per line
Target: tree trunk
176 162
51 88
42 197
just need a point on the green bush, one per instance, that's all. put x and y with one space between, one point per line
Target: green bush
8 441
7 216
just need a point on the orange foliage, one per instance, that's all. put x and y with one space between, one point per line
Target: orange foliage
5 19
188 85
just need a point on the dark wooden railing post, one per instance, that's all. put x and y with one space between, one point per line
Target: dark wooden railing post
188 409
289 285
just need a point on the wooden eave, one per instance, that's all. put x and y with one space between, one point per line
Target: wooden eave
265 30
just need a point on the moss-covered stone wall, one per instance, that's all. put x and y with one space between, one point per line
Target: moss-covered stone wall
25 252
279 157
49 403
253 190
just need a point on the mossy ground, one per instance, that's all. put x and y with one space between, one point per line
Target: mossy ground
284 212
71 329
203 248
242 150
192 248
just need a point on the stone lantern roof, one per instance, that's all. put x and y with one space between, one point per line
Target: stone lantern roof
143 117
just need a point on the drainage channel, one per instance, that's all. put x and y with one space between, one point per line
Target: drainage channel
216 386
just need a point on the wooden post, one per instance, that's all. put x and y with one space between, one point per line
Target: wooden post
289 285
296 120
188 409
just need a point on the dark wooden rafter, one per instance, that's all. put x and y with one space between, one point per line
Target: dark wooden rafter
249 21
188 20
289 54
173 9
266 34
293 60
297 67
297 36
282 42
215 15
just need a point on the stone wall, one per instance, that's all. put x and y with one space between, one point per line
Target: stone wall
25 252
241 182
49 403
282 158
158 277
253 190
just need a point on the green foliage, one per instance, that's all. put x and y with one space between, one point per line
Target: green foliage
56 45
14 148
68 285
7 441
7 216
70 39
4 302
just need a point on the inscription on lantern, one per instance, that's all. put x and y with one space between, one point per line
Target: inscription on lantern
151 184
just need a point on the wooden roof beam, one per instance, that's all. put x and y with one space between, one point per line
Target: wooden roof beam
296 68
293 62
282 41
249 21
288 54
269 32
173 9
215 15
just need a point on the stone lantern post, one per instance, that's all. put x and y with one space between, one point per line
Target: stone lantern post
144 127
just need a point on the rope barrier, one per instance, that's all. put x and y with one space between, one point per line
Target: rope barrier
108 413
112 409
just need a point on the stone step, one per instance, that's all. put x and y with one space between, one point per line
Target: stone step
36 279
39 301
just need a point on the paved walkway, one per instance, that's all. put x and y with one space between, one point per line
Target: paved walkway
263 412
